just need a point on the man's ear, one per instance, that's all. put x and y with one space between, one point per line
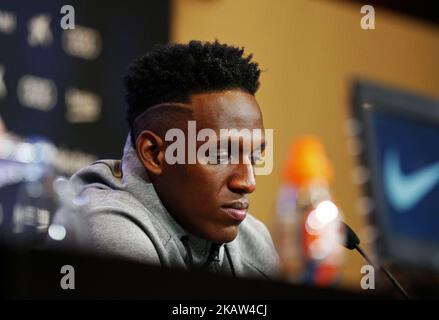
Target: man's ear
151 151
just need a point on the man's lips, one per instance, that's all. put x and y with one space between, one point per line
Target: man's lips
237 210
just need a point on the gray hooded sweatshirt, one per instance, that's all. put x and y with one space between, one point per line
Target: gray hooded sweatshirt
124 217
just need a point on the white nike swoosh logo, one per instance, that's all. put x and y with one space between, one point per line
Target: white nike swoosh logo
405 191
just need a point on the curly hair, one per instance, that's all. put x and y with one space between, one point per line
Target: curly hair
172 72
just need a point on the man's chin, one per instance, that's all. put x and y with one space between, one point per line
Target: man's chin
226 235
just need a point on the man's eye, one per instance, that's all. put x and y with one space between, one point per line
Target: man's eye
256 158
223 157
219 158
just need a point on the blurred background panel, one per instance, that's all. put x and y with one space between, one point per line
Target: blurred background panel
311 52
66 85
61 97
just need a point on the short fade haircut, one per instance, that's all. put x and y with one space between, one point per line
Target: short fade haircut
172 72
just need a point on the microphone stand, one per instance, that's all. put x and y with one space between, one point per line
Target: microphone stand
353 242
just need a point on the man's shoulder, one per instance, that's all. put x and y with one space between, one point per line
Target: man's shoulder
116 221
101 188
253 228
256 247
102 174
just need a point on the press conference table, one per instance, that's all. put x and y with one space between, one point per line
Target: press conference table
36 274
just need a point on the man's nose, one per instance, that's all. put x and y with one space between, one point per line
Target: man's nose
243 179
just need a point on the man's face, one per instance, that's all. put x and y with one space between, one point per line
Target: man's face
211 200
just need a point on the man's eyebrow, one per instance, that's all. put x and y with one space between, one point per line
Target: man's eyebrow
262 145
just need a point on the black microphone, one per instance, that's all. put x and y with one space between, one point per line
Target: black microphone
353 242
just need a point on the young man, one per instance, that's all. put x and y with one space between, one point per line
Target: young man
191 214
